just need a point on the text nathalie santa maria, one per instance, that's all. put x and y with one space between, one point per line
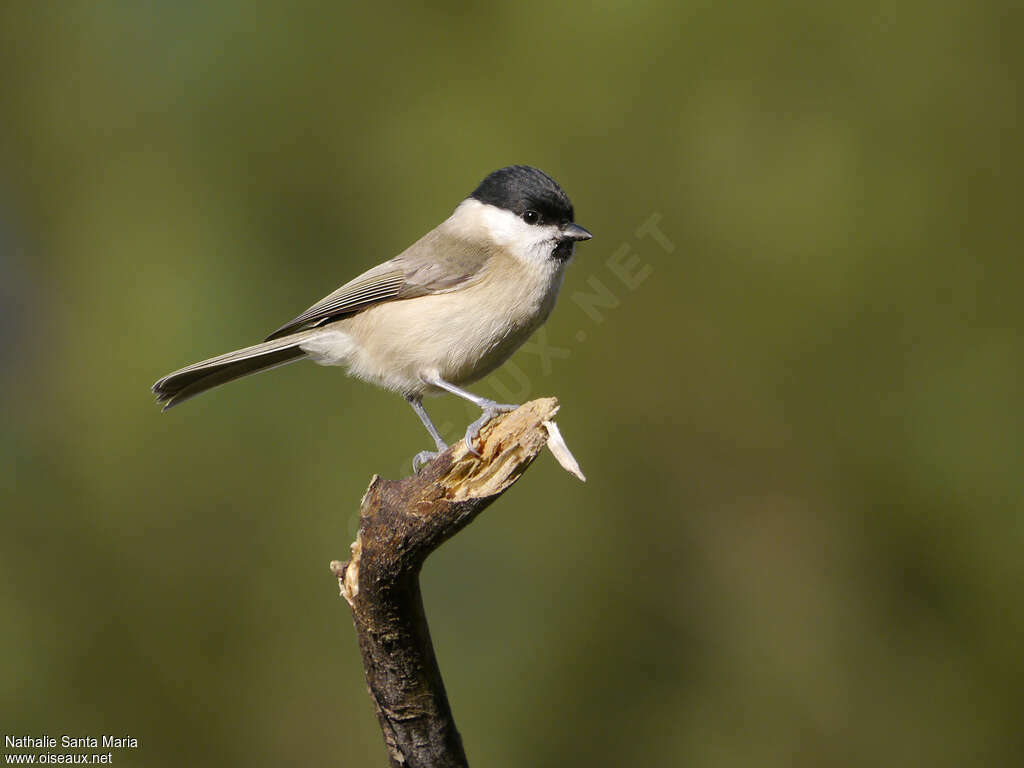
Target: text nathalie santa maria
71 742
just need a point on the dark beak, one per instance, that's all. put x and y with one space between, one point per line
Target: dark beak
575 232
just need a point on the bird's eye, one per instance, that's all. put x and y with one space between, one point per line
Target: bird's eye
531 217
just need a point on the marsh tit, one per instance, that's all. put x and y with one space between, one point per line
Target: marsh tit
442 314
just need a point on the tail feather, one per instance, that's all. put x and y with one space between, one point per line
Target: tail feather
177 387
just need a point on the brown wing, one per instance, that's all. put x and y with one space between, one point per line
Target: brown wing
436 263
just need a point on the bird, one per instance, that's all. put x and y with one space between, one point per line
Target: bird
440 315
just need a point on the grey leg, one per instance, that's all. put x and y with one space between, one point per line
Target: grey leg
489 407
417 405
423 457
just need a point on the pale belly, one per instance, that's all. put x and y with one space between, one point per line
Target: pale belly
460 336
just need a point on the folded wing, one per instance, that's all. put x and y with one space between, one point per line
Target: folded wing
436 263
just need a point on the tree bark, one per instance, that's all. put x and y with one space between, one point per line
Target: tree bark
401 522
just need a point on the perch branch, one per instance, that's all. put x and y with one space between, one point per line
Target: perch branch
401 522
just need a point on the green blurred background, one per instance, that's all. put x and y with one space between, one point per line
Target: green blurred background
800 543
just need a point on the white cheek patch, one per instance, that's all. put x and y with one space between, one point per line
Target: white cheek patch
530 241
504 227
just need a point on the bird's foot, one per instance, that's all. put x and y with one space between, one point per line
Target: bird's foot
425 457
491 409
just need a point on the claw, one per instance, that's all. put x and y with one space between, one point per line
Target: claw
421 458
473 430
491 409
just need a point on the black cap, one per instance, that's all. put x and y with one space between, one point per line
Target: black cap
521 188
